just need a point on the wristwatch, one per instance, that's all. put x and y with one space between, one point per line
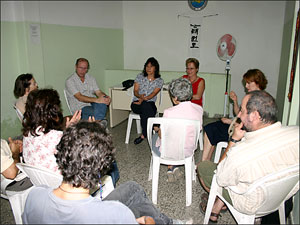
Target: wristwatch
233 140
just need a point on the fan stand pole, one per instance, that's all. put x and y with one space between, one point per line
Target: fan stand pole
226 93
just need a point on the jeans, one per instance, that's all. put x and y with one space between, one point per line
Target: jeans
114 173
98 110
134 197
145 110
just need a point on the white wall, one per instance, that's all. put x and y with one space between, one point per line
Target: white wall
153 29
101 14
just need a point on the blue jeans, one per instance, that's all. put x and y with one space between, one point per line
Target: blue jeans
134 197
114 173
98 110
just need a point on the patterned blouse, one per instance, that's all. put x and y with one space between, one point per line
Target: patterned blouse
40 150
147 87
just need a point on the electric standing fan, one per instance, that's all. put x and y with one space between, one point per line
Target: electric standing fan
226 48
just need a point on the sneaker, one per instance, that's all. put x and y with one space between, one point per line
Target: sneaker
177 173
176 221
170 175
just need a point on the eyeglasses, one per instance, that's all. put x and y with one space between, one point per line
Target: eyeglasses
82 68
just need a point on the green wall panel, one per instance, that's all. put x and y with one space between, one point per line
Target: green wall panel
52 60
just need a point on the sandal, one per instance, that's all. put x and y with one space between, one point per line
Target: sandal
203 209
204 198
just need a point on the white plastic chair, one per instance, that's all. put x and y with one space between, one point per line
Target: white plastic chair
43 176
201 131
16 198
18 112
276 192
40 175
220 146
172 153
134 116
66 97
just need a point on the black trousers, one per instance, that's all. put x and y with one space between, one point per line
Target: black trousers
145 110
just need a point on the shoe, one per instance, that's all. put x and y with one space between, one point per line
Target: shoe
204 198
177 173
171 177
138 140
202 207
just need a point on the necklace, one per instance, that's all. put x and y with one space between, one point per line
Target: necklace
70 192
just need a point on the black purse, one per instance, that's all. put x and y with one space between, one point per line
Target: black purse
127 84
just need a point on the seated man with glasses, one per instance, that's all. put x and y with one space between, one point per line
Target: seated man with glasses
83 93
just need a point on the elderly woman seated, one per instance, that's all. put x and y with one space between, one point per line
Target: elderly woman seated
181 93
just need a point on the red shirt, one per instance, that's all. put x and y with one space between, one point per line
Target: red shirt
195 89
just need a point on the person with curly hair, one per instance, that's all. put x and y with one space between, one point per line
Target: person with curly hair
84 154
42 127
24 84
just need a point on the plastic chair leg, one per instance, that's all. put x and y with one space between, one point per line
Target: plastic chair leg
155 176
188 182
150 170
128 130
138 126
201 140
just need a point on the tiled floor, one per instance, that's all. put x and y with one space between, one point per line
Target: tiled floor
133 162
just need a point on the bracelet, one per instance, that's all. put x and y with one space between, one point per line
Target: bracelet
233 140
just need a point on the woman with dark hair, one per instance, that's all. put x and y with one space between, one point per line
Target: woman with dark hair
84 154
146 87
198 83
42 127
24 84
253 79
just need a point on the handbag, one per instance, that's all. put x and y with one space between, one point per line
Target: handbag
127 84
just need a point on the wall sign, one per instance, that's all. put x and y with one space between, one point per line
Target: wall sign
197 5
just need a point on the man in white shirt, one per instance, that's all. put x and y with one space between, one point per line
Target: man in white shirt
83 93
259 146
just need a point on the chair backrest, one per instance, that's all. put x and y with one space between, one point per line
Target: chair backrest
66 97
175 133
276 187
19 114
40 176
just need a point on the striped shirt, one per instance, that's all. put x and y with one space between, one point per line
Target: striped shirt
260 153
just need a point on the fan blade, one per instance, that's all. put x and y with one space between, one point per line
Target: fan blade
220 52
231 49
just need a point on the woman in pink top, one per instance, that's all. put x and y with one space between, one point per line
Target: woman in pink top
42 128
181 94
